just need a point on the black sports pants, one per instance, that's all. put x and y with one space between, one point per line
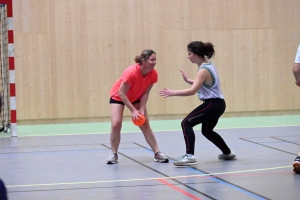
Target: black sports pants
208 114
3 194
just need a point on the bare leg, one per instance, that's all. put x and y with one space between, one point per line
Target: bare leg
147 131
116 113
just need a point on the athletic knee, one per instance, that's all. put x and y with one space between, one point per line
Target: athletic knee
206 133
185 123
116 126
146 125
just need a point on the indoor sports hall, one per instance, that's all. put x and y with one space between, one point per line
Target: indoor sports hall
60 59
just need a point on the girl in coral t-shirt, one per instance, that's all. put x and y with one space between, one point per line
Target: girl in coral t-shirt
132 90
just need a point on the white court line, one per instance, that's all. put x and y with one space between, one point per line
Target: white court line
100 133
146 179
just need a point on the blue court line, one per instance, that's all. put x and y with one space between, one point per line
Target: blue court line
220 181
228 184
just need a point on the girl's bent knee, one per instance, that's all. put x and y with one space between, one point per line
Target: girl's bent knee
185 123
146 125
205 133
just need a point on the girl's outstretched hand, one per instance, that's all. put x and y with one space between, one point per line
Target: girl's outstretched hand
184 76
166 92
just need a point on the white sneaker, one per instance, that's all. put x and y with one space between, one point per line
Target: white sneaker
112 158
160 157
185 161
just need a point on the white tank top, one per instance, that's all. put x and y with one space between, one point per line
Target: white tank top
213 90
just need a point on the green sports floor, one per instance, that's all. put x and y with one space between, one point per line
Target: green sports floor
157 125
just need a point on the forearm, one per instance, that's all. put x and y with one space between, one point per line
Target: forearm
296 71
190 81
127 103
185 92
144 100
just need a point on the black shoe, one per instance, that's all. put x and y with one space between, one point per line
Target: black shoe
296 165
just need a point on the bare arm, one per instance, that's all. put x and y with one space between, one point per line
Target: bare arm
144 99
122 93
296 71
185 78
199 80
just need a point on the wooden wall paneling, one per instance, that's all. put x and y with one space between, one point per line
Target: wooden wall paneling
43 83
146 26
156 102
268 79
218 14
146 29
102 69
288 39
198 15
32 70
72 51
52 60
176 58
34 76
246 70
119 36
120 39
79 59
62 93
241 14
31 16
176 14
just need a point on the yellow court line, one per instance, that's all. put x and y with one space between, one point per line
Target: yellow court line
146 179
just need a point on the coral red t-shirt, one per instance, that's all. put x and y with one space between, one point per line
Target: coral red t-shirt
138 84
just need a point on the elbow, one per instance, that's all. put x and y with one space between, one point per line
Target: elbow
122 95
193 92
296 68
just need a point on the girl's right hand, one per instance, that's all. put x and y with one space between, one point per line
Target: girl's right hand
166 92
184 76
135 114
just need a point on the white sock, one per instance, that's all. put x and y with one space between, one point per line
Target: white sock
190 156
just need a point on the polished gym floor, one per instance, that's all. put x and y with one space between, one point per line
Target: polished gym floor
67 162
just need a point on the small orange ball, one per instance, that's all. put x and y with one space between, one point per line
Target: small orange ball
140 120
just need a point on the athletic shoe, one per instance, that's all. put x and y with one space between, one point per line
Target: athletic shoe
112 158
185 161
160 157
296 165
230 156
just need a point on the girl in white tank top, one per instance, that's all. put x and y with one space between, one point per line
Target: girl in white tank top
207 85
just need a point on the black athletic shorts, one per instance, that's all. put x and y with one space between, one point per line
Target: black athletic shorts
121 102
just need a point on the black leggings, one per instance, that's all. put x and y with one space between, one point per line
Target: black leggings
208 114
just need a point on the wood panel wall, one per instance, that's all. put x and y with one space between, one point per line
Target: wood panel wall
69 53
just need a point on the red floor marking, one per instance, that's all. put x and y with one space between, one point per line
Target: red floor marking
178 189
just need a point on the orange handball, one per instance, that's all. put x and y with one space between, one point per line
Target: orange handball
139 121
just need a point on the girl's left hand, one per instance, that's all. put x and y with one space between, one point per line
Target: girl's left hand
184 76
166 92
141 111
